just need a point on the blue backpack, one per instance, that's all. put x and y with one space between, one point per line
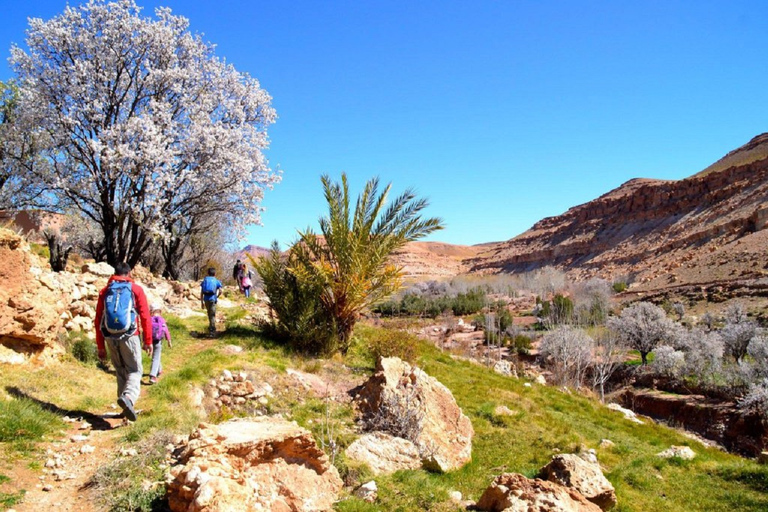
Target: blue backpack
209 287
119 311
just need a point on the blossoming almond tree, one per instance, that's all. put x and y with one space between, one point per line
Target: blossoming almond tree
150 132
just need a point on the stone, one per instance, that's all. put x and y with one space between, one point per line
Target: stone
504 368
367 492
384 453
264 463
455 496
573 471
680 452
102 269
606 443
87 448
630 415
503 410
512 492
541 380
589 456
441 431
226 375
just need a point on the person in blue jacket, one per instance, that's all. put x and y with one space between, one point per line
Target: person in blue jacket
210 290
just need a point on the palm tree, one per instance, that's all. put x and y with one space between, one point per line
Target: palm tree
350 261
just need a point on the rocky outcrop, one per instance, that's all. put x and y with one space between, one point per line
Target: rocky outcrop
255 464
30 307
584 477
405 398
38 306
383 453
512 492
679 225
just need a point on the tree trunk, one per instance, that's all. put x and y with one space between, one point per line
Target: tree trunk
644 357
58 256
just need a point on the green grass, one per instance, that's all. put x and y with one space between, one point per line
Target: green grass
548 421
545 421
24 421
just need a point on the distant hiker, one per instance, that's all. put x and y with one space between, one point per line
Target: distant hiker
246 280
122 320
237 273
160 332
210 290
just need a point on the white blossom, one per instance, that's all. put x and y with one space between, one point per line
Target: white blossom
148 127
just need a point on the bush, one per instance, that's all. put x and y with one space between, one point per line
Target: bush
301 319
84 350
392 343
619 286
521 343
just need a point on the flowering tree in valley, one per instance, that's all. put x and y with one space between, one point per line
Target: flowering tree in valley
149 134
643 326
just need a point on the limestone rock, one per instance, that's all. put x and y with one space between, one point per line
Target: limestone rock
442 433
254 464
512 492
102 269
681 452
369 491
630 415
30 311
585 477
384 453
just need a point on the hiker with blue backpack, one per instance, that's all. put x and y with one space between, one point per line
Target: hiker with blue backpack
210 290
122 321
160 332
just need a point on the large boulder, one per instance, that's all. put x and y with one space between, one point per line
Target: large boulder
253 464
405 397
384 453
512 492
587 478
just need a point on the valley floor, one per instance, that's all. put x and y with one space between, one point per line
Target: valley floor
125 470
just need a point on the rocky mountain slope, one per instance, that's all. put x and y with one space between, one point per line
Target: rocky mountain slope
708 229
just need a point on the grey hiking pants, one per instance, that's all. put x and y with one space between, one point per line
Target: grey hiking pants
125 354
210 306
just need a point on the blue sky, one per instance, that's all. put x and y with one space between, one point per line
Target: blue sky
501 113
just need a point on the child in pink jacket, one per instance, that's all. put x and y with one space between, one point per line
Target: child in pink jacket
159 333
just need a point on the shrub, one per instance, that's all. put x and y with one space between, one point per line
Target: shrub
521 343
619 286
84 350
296 302
392 343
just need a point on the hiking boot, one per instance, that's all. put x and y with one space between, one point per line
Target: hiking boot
127 406
152 380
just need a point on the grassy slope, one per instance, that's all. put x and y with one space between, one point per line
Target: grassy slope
546 421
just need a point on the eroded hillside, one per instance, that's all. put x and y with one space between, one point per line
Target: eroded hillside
704 230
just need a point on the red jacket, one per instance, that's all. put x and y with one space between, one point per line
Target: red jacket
142 311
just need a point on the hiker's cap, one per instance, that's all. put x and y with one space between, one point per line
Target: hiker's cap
155 307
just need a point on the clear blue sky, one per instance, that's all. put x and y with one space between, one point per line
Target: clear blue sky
501 113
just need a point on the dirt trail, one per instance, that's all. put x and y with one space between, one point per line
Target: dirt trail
69 462
68 465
